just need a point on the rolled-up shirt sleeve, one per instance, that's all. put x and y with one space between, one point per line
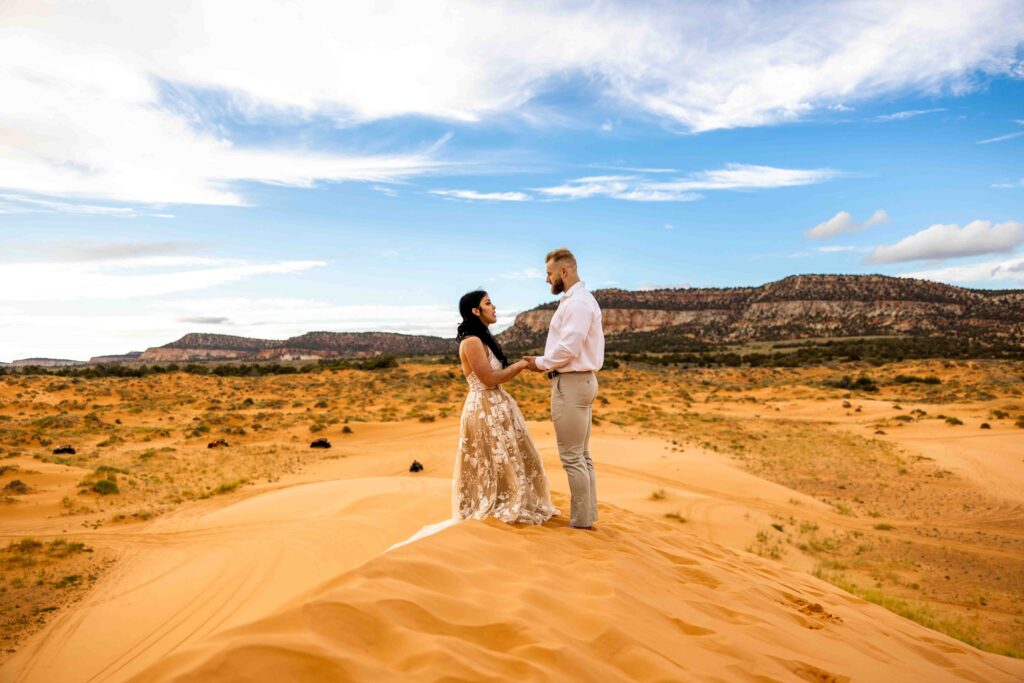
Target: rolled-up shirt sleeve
574 328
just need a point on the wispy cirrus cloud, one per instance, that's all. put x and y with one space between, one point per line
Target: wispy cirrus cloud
529 273
82 250
628 188
131 278
687 188
944 241
1001 138
19 203
843 223
909 114
838 249
1004 138
473 195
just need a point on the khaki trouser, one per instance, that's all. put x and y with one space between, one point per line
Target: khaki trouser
572 395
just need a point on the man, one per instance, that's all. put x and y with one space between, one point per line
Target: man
574 352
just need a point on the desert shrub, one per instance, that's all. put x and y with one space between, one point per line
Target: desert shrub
862 383
25 545
914 379
229 486
105 487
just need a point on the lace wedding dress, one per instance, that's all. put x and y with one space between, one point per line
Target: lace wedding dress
498 471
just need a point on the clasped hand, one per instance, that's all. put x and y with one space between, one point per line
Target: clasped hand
531 364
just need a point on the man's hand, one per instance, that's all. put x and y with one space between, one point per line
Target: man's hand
531 364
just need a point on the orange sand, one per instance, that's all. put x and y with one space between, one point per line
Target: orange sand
291 581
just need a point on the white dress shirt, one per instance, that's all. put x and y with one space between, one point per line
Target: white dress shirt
575 337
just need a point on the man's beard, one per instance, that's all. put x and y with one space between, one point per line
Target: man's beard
558 286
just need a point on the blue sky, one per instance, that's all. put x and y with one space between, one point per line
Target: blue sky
313 166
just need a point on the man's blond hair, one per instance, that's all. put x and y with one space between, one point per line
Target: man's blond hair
562 257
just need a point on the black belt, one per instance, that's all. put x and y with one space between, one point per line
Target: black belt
555 373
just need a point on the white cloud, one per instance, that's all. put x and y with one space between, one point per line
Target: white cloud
944 241
1011 269
632 169
19 203
1001 138
904 115
84 116
1010 186
130 278
877 218
732 177
473 195
843 223
119 100
276 318
524 274
836 249
132 252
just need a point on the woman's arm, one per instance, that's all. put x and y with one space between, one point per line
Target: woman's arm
476 355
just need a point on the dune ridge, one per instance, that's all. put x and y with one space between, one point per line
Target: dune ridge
639 599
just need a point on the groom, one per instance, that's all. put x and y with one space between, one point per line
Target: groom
574 352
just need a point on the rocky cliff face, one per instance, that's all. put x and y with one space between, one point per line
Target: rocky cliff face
797 307
116 358
309 346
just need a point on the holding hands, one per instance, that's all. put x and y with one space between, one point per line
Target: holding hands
531 363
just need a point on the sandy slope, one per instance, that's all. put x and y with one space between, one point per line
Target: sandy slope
289 581
637 600
215 567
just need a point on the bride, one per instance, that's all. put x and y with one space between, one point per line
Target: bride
498 471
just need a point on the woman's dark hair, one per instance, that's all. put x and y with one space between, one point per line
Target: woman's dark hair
473 326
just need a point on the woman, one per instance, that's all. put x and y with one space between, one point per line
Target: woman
498 471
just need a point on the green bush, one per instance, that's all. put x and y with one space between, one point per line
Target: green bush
105 487
914 379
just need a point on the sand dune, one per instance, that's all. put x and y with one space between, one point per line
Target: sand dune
299 580
637 600
213 567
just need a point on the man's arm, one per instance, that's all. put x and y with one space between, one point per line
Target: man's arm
576 323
